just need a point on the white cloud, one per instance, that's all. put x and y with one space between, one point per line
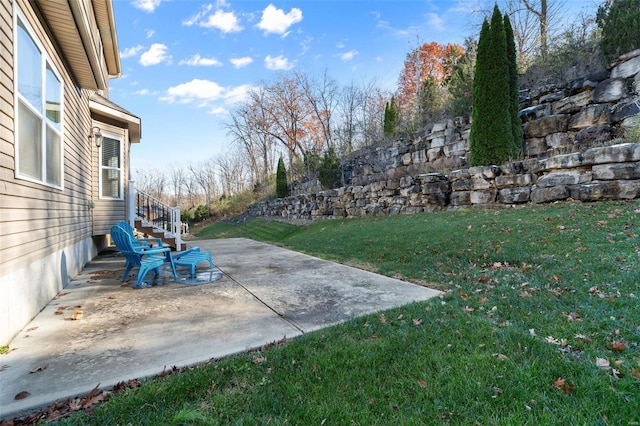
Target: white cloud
146 5
340 45
277 63
197 60
347 56
207 94
238 94
276 21
198 16
144 92
130 51
150 33
241 62
227 22
156 54
197 90
218 111
435 21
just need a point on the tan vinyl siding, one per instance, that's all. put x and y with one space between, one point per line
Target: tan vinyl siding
36 220
108 212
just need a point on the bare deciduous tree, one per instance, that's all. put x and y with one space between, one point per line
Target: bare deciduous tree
204 177
322 97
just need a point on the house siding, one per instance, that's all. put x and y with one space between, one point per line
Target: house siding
46 234
109 212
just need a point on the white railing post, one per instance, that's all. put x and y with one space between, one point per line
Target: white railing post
176 227
131 202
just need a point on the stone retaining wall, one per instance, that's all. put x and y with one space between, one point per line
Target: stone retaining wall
602 173
430 172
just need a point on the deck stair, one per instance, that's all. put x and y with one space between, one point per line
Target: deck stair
153 218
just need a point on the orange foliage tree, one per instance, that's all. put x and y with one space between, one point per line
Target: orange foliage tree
430 62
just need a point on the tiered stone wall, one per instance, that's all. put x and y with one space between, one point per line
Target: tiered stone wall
602 173
564 127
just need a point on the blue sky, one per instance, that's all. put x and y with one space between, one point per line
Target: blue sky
185 63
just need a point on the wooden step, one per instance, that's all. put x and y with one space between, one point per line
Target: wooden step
149 231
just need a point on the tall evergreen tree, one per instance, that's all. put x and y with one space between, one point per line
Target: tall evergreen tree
514 105
391 118
281 179
619 21
491 138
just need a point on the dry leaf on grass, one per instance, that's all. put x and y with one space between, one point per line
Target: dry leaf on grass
603 364
619 346
76 315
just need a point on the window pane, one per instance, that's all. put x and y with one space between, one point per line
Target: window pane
29 144
52 102
54 165
111 183
29 68
111 173
110 152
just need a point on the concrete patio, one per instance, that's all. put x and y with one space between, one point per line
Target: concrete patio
261 294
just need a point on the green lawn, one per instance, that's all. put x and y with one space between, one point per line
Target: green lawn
540 324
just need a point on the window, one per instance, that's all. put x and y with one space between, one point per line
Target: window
39 112
111 168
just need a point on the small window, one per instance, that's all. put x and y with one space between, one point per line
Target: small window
111 168
39 112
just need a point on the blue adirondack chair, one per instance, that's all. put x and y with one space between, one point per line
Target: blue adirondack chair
144 258
142 242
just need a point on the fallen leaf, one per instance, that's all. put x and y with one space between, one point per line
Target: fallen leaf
468 309
417 321
563 386
532 332
22 395
635 373
464 295
41 367
573 316
382 318
259 359
603 364
501 357
619 346
584 338
551 339
422 383
76 315
483 300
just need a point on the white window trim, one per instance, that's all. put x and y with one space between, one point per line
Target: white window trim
121 169
46 59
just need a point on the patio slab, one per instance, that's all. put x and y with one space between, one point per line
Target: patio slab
263 294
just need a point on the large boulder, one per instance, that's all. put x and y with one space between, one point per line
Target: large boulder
610 90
